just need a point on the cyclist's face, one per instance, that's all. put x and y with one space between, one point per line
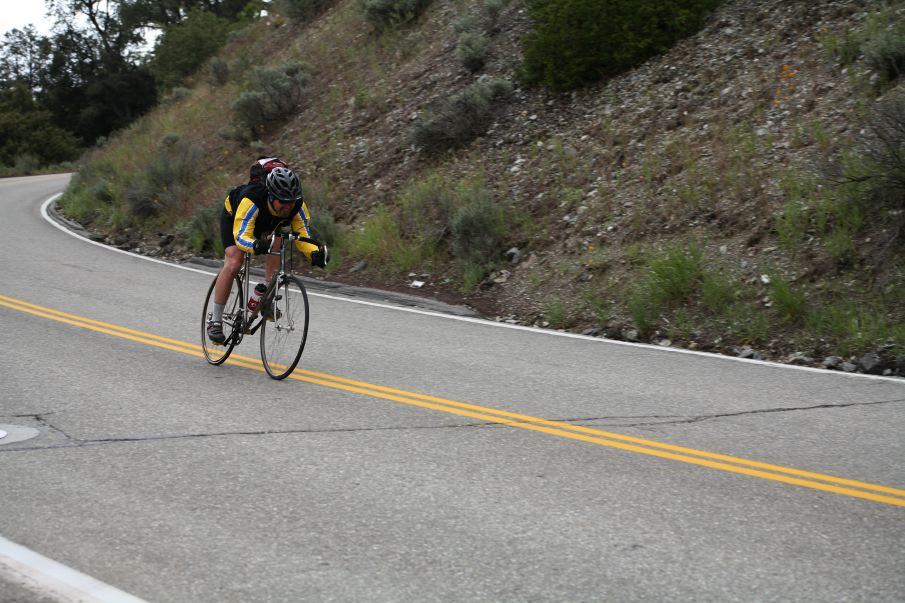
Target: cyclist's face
283 208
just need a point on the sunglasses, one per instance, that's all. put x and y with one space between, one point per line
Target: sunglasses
280 201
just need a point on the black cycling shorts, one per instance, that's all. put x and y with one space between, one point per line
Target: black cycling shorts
226 229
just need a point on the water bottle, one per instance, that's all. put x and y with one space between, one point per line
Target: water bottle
255 300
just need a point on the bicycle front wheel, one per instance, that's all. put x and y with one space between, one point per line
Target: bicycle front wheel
232 317
285 328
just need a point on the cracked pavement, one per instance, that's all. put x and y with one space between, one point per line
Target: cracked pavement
175 480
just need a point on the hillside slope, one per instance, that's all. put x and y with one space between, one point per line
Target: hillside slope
676 204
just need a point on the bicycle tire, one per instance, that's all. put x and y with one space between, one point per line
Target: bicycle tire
232 311
283 338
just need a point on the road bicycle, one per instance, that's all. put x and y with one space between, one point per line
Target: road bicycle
281 316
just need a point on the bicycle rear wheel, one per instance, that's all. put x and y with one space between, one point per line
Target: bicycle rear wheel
232 316
284 332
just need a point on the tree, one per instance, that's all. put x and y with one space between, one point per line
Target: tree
579 41
22 57
96 79
184 47
26 129
93 74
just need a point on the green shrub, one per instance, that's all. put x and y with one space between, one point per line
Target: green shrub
643 309
324 226
166 180
385 14
874 175
717 294
557 314
27 164
490 15
472 50
844 47
426 208
793 221
204 229
885 53
377 239
142 200
219 71
477 230
854 328
748 324
78 203
178 94
461 118
675 275
472 276
791 304
272 94
485 20
580 41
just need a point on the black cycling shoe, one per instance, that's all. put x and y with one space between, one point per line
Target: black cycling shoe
215 332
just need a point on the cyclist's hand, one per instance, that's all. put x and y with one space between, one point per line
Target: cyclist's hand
261 246
320 257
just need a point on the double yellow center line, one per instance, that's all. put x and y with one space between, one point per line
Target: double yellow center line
777 473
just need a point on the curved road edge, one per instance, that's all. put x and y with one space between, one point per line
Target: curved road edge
419 305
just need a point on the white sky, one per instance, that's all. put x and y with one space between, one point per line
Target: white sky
16 14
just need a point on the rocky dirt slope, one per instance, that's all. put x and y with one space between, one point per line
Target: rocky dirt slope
693 146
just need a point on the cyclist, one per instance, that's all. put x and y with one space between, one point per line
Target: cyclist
250 213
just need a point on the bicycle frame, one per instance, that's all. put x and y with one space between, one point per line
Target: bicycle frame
248 324
281 317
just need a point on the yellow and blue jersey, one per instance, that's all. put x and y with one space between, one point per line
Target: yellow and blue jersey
253 215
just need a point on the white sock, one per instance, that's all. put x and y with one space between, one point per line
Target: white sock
217 315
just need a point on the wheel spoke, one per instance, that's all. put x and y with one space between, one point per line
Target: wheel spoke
217 354
283 338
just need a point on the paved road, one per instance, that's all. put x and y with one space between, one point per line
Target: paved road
420 457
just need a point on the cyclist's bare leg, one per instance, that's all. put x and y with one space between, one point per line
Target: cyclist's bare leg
232 263
272 262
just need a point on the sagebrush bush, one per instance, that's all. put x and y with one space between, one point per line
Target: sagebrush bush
324 226
385 14
203 230
885 53
575 42
219 71
484 20
478 230
875 174
166 180
426 208
270 95
27 164
142 200
461 118
472 50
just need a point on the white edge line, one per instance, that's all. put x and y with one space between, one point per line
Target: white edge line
485 322
48 578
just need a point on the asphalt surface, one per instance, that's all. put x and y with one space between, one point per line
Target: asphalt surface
630 473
